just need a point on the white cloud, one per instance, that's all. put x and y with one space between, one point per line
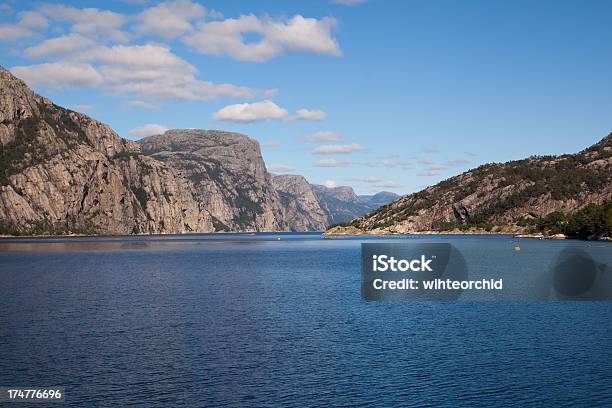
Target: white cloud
251 112
426 161
32 19
332 163
83 108
102 24
13 32
280 168
255 112
324 136
141 105
149 129
60 46
298 34
148 71
24 28
58 75
311 114
349 2
334 149
330 184
171 19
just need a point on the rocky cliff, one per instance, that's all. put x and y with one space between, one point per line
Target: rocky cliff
302 210
228 174
63 172
341 204
500 196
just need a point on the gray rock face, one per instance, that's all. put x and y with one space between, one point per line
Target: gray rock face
302 210
342 204
228 174
502 194
63 172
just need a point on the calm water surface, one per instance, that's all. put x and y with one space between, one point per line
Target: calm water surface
251 320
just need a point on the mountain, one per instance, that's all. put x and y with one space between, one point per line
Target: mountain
500 196
303 212
228 174
342 204
63 172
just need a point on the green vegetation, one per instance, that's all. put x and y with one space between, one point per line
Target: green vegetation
30 147
553 177
340 224
141 196
591 221
218 225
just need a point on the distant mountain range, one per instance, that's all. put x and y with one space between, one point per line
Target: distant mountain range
63 172
500 196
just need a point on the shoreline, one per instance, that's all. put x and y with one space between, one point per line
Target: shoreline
355 232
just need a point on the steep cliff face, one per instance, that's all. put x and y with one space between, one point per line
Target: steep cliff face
342 204
228 174
503 195
302 210
63 172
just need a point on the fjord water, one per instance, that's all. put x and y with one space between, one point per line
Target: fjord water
254 320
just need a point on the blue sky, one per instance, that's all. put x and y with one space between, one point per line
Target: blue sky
377 94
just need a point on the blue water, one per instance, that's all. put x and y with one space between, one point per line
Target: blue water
250 320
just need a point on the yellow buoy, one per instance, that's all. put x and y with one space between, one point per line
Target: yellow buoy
517 248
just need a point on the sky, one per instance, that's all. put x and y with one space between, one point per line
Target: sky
376 94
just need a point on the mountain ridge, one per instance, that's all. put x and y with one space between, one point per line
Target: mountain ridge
62 172
499 196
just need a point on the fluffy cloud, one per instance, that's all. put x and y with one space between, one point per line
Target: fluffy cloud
58 75
32 19
280 168
311 114
257 112
149 71
330 184
27 22
332 163
102 24
251 112
60 46
324 136
149 129
298 34
335 149
13 32
169 20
